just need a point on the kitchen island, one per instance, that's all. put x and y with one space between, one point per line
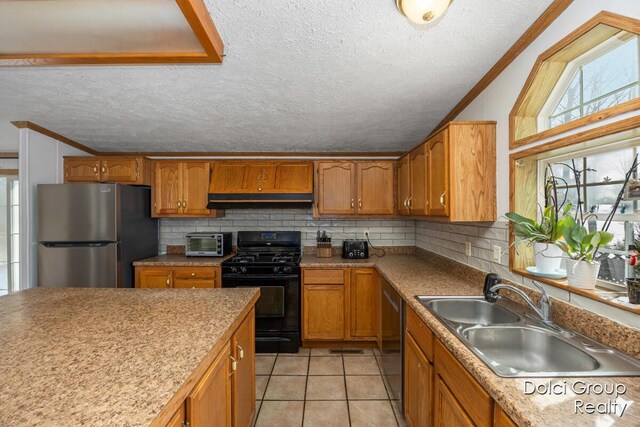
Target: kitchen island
127 357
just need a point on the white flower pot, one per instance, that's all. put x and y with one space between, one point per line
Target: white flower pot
581 274
548 257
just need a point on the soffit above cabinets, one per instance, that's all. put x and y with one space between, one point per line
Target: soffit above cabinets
59 32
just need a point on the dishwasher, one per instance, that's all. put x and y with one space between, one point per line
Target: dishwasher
391 359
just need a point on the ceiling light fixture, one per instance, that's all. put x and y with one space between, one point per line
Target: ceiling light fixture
423 11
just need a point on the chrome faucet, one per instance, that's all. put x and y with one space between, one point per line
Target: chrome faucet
493 283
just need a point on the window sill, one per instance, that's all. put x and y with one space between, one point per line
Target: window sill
601 295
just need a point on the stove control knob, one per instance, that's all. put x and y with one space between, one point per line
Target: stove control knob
287 269
243 270
276 269
234 269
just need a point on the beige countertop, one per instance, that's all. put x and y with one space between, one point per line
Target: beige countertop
411 275
181 260
97 357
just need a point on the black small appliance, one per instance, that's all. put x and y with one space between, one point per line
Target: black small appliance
355 249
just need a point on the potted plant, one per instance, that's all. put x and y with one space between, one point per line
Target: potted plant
580 244
542 236
633 279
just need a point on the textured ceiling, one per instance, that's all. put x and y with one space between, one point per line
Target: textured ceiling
323 75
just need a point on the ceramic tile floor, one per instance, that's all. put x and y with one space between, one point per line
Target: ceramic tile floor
318 388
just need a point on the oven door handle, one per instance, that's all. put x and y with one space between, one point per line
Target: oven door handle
245 278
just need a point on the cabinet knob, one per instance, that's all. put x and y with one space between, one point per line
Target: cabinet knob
259 188
168 281
352 204
240 351
193 274
442 199
409 202
95 170
419 365
234 364
360 203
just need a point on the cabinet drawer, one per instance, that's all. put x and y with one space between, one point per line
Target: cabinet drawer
420 332
191 283
323 277
471 396
194 273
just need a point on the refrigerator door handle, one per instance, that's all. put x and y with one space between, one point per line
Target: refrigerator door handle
76 244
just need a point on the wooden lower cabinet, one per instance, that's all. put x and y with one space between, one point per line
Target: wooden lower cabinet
447 410
340 304
323 312
243 379
209 403
363 292
438 389
178 277
418 379
177 420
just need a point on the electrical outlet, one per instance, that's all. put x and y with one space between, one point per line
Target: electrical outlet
467 249
497 253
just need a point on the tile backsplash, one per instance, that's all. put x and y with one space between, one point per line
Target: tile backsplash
383 232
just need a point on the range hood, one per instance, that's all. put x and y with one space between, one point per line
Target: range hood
261 184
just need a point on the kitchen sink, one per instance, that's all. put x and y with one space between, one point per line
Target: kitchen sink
472 311
513 343
512 349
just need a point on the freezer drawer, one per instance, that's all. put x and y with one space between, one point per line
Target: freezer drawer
78 212
90 266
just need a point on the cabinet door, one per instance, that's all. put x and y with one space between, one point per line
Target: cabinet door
376 188
195 187
209 404
177 420
418 161
123 170
335 192
167 190
438 174
404 186
260 177
228 177
153 277
323 312
418 385
83 169
501 419
243 379
362 304
294 177
447 410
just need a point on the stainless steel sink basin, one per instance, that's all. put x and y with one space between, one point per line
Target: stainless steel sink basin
513 343
472 311
512 349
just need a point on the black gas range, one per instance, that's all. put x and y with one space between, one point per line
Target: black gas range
270 261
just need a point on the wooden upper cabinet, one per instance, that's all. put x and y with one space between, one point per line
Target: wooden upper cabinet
438 175
345 188
376 188
195 187
125 170
258 176
181 189
119 169
243 379
167 189
81 169
209 403
335 188
362 305
404 185
419 186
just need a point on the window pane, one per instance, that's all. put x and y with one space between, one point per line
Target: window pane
611 100
611 71
563 174
15 276
15 219
15 248
571 97
600 200
564 118
15 192
611 166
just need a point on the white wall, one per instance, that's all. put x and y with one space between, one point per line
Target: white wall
40 162
495 103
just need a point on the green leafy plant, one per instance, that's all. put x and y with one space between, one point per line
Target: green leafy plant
548 230
578 243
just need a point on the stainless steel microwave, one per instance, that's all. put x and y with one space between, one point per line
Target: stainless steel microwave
208 244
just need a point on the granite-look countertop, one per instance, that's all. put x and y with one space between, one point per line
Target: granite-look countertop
97 357
411 275
181 260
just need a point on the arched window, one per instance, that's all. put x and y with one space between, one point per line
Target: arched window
603 77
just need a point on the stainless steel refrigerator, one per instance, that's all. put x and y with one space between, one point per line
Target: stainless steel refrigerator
90 234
